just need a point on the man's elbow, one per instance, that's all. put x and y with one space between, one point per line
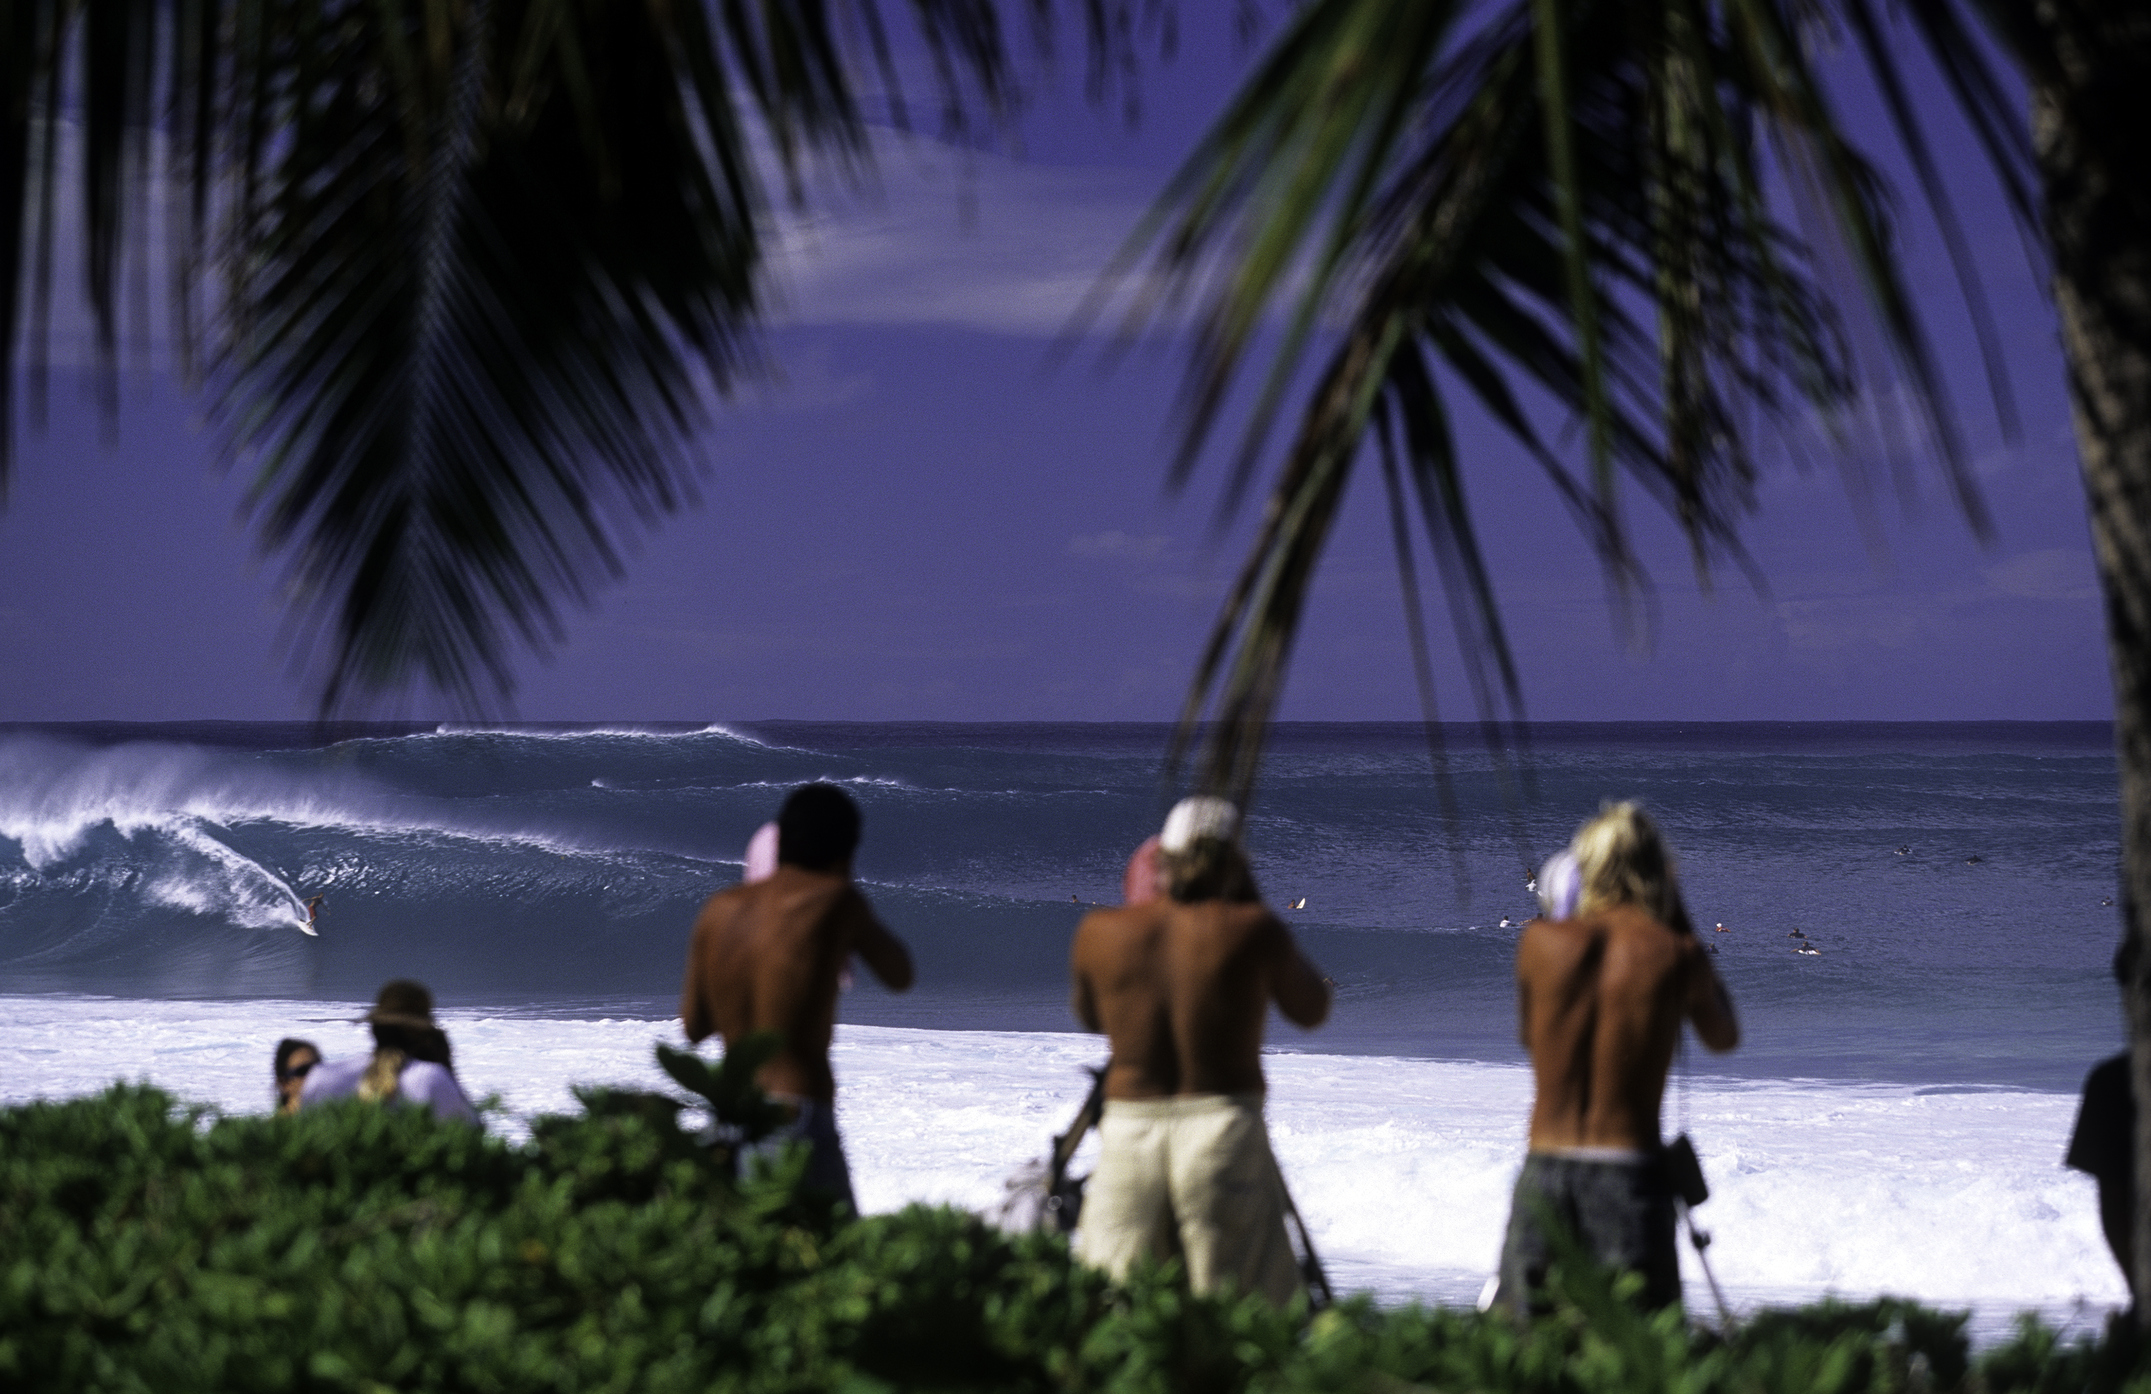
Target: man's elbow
897 974
1310 1009
1721 1035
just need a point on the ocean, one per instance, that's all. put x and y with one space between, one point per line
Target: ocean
1893 1120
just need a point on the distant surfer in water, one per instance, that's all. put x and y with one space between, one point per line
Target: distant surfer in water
766 955
314 910
1602 996
1179 986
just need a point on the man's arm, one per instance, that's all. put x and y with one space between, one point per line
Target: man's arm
1085 1003
694 1004
1301 991
883 951
1709 1006
1081 999
1523 980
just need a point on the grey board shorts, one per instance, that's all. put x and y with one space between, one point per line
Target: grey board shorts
1621 1211
815 1125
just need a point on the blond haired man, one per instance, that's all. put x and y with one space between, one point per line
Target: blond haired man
1601 995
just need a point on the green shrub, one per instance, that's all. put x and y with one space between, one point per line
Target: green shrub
150 1245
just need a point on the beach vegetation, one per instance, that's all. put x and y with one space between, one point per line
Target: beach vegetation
147 1244
464 278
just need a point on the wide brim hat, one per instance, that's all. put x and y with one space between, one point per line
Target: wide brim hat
402 1003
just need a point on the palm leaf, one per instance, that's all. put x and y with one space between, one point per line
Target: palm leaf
478 268
1575 195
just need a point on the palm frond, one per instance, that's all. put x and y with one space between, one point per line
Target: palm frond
26 38
455 422
1571 194
465 274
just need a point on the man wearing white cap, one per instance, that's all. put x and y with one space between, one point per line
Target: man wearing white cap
1180 986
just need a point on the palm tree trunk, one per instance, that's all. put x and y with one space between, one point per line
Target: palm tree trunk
2091 102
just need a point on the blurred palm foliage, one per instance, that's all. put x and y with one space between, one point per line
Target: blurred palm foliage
1647 218
464 277
147 1244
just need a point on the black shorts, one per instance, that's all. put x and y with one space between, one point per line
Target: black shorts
1620 1211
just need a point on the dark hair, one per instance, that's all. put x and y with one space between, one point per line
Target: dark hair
818 828
429 1043
288 1047
1209 868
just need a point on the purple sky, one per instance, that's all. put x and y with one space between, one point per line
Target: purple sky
925 519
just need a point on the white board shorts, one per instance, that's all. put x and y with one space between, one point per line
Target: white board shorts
1192 1178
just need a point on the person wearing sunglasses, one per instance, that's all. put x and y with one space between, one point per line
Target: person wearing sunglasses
294 1059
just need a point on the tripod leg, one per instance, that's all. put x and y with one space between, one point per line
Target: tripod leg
1701 1241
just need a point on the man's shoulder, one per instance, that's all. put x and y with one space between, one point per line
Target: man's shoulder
1628 929
435 1087
1112 921
1234 925
2108 1083
1112 930
335 1079
730 897
788 890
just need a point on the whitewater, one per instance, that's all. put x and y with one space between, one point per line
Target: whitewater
1892 1123
1402 1168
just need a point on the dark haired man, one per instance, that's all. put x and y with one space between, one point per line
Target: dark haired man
1180 987
2103 1143
766 956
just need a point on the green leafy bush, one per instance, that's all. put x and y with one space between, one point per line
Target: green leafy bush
150 1245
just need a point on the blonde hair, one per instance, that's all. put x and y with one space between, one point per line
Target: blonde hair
384 1075
1210 868
1623 860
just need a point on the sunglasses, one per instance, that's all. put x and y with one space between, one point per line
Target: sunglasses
300 1071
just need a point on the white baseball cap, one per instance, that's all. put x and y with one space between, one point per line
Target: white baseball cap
1201 816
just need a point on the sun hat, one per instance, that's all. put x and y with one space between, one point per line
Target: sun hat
402 1002
1203 815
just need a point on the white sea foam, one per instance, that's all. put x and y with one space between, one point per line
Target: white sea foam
209 878
576 733
1402 1167
55 795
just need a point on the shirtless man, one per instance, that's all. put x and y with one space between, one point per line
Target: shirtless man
766 956
1180 987
1600 999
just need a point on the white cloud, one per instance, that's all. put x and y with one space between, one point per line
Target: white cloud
1116 543
941 236
2056 573
969 240
1873 618
1842 623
